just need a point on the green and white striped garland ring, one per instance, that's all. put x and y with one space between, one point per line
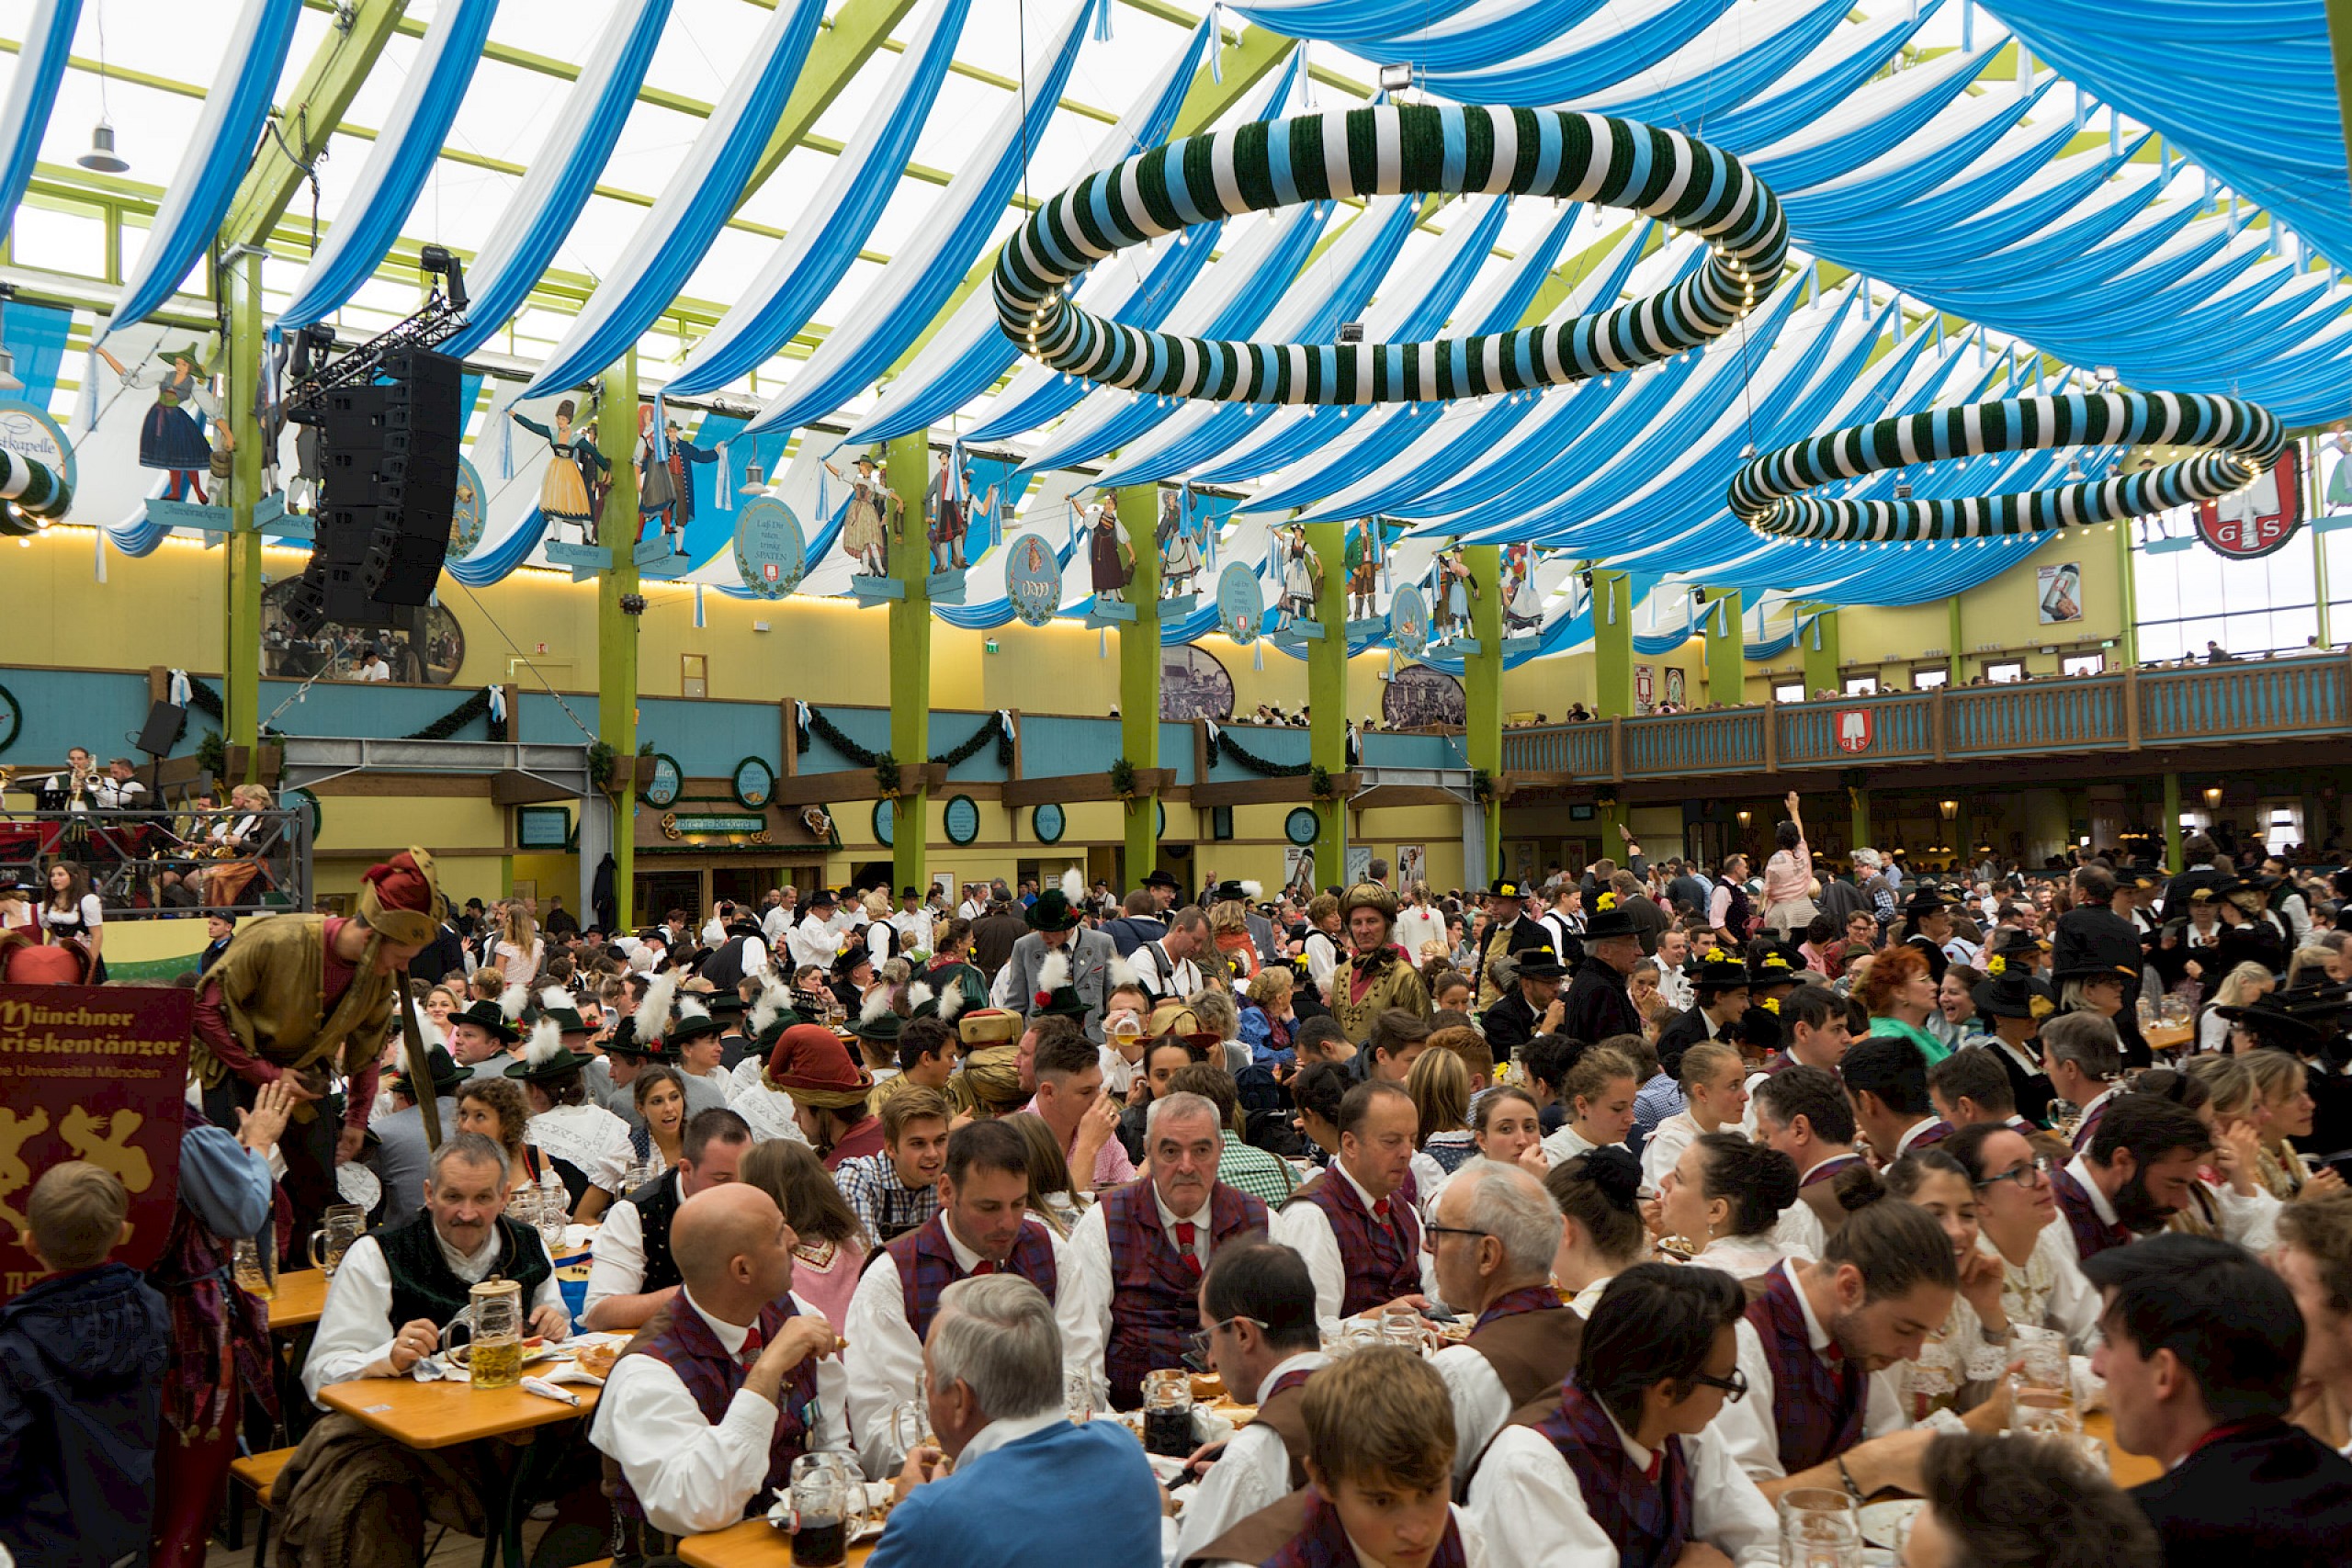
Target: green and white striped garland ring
1411 149
1768 495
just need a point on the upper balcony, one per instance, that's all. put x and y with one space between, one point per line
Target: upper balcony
2142 715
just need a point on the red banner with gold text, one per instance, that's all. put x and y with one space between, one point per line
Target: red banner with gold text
93 1073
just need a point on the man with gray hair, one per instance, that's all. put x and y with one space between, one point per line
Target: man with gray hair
2083 1058
1136 1258
1493 1237
993 1368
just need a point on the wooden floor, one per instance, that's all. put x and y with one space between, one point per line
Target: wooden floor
454 1552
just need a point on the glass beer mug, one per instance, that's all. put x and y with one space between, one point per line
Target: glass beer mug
493 1320
340 1224
828 1507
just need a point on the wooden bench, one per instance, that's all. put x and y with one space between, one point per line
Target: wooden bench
254 1473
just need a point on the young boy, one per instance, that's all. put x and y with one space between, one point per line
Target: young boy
82 1358
1380 1470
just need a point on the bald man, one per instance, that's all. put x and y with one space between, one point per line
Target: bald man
730 1382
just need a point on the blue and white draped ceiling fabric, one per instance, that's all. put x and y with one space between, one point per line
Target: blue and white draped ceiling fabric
839 219
403 155
217 152
32 94
557 180
676 232
969 354
925 271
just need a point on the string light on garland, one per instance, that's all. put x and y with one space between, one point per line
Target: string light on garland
1392 150
2246 438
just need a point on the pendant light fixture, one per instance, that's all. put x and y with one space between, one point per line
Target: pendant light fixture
102 158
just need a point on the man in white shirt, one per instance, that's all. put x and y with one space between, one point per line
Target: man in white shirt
1673 983
1365 1192
1166 968
816 938
1137 1256
1257 1317
912 921
635 1273
1803 1112
983 1226
714 930
777 919
372 667
2084 1058
396 1287
1887 1079
120 789
1658 1365
692 1416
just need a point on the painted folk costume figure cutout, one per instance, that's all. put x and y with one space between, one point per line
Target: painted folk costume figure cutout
170 439
1302 577
563 488
1363 562
951 512
665 489
864 534
1107 553
1454 592
1522 606
1181 560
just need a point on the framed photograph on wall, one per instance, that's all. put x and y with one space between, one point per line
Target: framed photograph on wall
1412 864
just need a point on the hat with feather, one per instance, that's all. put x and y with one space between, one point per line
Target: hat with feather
1057 907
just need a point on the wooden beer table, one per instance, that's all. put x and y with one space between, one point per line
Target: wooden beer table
754 1543
302 1298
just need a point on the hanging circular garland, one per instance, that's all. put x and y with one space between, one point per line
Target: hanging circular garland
1392 150
1768 495
32 495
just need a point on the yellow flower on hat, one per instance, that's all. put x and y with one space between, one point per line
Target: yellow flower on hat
1770 1004
1996 965
1607 901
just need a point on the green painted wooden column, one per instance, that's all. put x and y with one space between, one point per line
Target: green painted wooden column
616 629
1858 801
1821 663
241 660
2126 636
1326 699
1481 690
1140 675
1613 644
906 471
1726 643
2174 863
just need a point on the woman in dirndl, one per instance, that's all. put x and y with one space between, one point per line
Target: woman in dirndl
563 492
169 438
862 530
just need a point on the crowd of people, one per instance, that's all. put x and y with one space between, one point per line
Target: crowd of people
1571 1224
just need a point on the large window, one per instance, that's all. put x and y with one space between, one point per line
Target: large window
2190 597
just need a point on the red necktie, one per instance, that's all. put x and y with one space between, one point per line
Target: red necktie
1185 1234
1657 1461
985 1265
1380 1208
754 1343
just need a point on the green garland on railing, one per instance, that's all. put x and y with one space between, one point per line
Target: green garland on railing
457 718
205 700
1240 757
832 735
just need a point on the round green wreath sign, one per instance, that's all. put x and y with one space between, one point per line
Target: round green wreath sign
1768 495
1391 150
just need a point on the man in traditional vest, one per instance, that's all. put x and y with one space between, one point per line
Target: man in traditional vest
1137 1257
1886 1078
2137 1172
384 1313
635 1272
1814 1033
1257 1317
1492 1240
1803 1112
1623 1463
983 1226
306 997
728 1384
1812 1337
1356 1223
1508 930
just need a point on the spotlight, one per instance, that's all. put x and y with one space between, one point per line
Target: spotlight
1396 78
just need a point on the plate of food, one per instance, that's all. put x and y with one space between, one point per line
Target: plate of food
1884 1523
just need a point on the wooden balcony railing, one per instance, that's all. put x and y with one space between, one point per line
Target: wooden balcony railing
2208 705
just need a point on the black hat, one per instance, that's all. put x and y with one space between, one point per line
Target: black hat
2087 968
820 898
1234 891
2010 992
1776 966
2144 874
1926 900
1718 969
910 892
561 1006
853 952
1540 963
1759 1026
1611 921
1507 887
2013 941
489 1015
625 1043
446 1072
1161 877
2276 1021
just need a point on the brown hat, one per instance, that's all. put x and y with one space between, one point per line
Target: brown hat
994 1076
401 900
1369 895
810 1064
989 1026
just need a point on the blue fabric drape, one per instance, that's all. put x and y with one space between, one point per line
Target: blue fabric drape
817 250
32 94
925 271
217 152
1347 21
1492 29
1625 39
36 337
672 238
557 180
402 155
